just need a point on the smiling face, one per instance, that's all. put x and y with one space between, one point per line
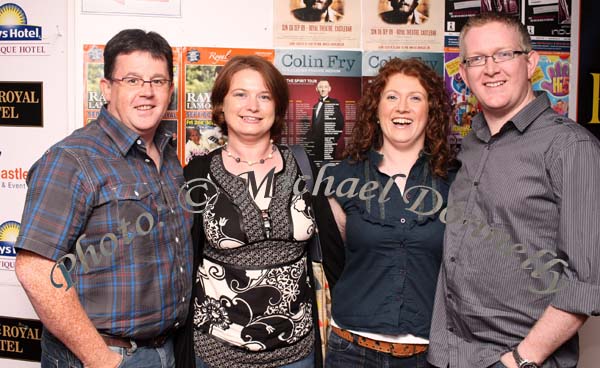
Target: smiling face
403 112
503 88
140 108
248 107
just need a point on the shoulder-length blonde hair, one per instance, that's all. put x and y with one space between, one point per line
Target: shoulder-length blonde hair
367 133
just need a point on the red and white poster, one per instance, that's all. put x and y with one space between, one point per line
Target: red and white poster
200 66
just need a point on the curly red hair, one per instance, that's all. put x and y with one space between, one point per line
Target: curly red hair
367 133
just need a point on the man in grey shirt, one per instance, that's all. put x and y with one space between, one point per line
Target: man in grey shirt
521 267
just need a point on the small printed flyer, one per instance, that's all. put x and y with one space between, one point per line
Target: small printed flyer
317 24
403 25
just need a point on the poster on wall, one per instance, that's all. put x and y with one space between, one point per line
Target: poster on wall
552 76
373 60
549 24
324 89
459 11
463 102
93 72
411 25
200 67
162 8
330 24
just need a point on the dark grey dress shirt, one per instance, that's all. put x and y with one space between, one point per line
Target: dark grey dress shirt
522 234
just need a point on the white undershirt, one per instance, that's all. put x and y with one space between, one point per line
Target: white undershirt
399 339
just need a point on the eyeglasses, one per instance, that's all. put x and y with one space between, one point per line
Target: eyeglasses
498 57
136 82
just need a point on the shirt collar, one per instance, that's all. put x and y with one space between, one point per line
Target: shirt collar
375 157
124 138
535 108
521 120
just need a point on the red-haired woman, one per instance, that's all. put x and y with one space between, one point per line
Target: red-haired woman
400 160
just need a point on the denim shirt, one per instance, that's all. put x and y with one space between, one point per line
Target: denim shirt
393 253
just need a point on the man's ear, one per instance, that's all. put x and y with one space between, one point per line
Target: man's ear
462 69
106 89
532 61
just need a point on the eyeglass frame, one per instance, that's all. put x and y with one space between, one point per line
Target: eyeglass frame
151 82
514 54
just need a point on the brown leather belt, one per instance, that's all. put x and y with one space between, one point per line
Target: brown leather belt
395 349
123 342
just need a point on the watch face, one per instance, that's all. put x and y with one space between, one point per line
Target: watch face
529 365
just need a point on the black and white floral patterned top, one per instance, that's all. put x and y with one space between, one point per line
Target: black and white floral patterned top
253 306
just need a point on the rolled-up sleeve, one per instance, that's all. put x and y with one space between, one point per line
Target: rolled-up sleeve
575 176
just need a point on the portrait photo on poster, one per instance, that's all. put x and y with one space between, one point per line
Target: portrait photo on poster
404 11
328 11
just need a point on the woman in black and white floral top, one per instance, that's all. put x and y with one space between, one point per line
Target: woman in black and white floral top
252 304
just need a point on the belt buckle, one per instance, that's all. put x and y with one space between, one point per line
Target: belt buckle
133 347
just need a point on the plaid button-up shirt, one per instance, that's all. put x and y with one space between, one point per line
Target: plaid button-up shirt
99 196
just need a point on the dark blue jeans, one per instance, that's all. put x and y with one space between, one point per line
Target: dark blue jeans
497 365
344 354
308 362
56 355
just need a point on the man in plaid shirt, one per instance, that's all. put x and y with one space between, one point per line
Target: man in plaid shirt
104 251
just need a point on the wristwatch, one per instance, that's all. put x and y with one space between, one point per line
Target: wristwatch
523 363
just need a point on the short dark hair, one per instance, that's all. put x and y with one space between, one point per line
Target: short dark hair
131 40
367 133
275 82
493 17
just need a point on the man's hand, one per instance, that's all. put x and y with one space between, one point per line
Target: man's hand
112 360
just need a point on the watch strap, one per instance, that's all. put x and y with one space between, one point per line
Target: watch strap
523 363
